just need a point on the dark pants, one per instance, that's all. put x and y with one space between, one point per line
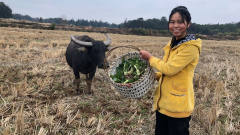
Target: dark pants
166 125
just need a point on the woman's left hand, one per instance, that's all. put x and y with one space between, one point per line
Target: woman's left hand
145 54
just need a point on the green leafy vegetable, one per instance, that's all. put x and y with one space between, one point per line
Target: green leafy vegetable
129 70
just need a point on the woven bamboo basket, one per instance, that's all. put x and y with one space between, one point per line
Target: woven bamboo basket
138 88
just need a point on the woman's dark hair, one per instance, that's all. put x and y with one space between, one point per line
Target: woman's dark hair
183 11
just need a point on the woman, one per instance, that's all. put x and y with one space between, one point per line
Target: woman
174 96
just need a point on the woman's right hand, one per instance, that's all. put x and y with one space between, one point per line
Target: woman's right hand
145 55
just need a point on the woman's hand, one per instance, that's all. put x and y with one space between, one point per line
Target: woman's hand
157 76
145 54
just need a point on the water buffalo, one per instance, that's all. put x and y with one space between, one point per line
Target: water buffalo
84 55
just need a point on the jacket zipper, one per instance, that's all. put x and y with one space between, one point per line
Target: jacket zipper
160 87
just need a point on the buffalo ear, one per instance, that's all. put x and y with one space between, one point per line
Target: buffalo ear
82 49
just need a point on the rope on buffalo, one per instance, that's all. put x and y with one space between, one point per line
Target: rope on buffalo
135 89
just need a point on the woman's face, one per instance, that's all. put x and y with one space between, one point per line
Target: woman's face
177 26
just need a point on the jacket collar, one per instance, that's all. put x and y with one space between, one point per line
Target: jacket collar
187 38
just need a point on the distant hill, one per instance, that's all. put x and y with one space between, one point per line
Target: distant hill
79 22
145 27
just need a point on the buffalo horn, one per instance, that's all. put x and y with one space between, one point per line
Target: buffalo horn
81 42
108 41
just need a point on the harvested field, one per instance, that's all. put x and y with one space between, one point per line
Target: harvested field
37 96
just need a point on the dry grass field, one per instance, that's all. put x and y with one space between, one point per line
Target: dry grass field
37 96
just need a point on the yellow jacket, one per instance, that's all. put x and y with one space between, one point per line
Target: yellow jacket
174 95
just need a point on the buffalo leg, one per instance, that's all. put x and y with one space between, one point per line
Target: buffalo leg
89 78
76 81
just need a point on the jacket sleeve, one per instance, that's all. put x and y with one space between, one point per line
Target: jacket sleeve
177 63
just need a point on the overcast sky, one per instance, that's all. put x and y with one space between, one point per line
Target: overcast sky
116 11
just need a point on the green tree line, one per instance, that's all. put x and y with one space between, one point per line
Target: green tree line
205 29
5 11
